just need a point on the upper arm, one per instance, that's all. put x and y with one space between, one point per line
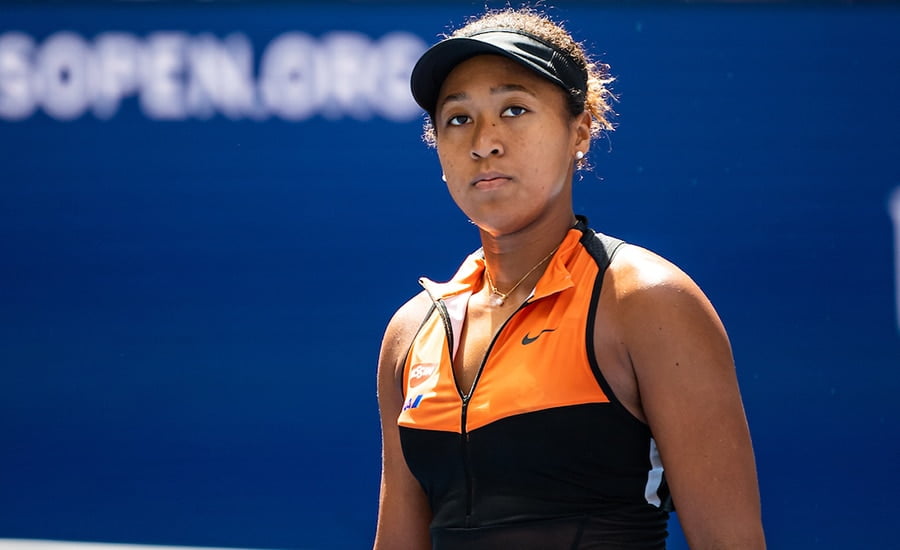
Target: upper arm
689 394
403 510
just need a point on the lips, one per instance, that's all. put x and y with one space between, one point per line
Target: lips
490 179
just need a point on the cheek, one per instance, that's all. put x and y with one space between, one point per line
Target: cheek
543 154
551 172
452 165
445 156
447 168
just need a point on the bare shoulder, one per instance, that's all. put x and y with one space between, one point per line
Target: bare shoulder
661 314
637 272
403 510
684 374
648 288
399 334
649 311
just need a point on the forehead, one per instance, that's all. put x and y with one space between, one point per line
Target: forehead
491 71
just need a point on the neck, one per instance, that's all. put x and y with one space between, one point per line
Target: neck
518 259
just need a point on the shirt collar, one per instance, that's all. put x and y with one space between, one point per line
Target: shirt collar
555 278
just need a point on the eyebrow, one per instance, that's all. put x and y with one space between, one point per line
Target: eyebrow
503 88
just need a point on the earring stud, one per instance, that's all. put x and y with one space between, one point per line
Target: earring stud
579 155
444 178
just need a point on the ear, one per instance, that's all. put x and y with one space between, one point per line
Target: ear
582 127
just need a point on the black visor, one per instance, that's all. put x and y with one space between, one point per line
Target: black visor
529 51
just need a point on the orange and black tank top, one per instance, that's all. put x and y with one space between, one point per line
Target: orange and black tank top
538 454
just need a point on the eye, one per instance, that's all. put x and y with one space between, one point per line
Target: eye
457 120
514 111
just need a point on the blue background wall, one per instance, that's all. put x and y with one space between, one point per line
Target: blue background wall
191 309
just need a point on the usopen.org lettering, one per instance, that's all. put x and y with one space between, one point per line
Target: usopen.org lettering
894 208
176 76
412 402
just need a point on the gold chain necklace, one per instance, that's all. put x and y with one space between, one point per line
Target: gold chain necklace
498 298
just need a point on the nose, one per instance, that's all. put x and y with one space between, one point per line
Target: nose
486 141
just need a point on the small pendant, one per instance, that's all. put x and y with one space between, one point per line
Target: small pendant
497 299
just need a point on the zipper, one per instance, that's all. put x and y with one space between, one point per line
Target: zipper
467 461
464 433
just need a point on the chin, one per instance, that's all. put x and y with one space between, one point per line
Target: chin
498 226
